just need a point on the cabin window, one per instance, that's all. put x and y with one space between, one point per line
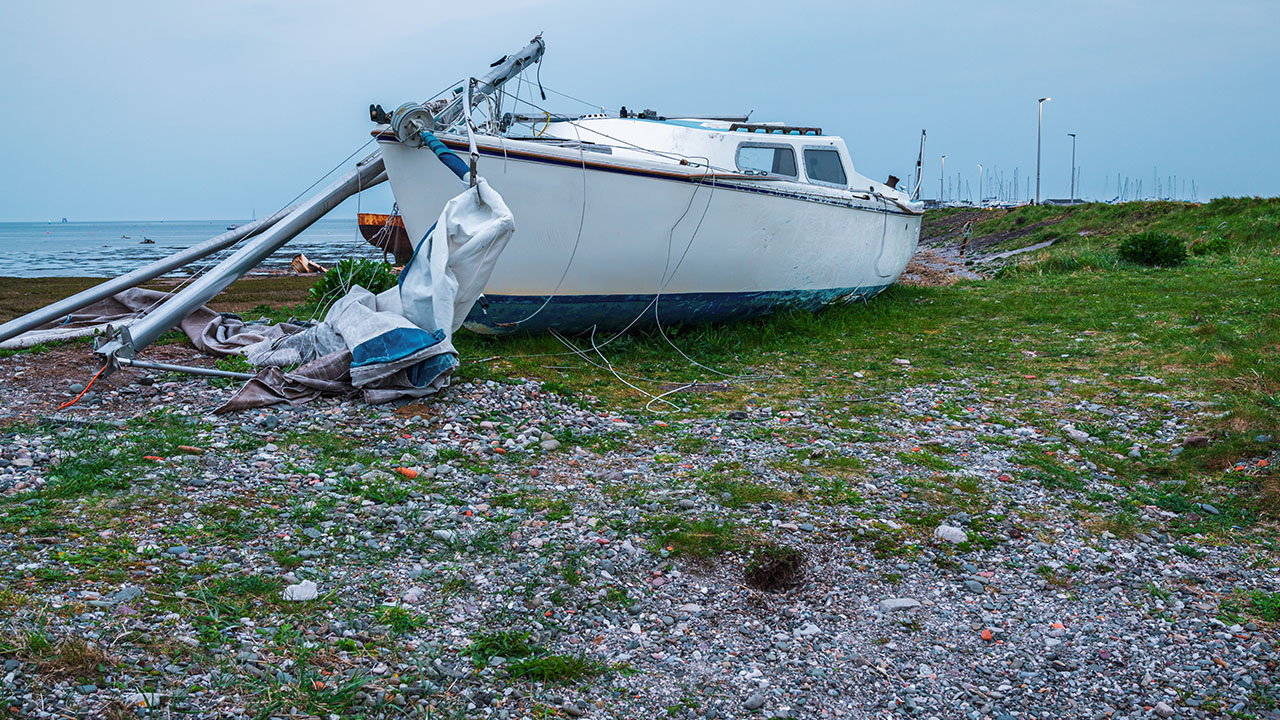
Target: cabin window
767 159
824 166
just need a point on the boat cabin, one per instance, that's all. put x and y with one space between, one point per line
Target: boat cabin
769 151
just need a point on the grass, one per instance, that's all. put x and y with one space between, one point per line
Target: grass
529 661
71 659
736 493
509 644
556 668
1190 551
551 508
89 467
1264 604
246 585
695 538
401 620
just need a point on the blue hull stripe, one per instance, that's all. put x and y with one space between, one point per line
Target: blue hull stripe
719 181
501 314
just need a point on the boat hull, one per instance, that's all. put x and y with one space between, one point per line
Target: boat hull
611 245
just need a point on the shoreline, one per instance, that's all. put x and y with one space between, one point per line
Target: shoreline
23 295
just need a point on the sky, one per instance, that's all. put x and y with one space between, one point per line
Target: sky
182 110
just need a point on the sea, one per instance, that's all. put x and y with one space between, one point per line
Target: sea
108 249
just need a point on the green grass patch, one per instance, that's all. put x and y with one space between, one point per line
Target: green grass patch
400 619
556 668
508 644
696 538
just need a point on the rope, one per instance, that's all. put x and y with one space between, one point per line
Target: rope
584 102
76 399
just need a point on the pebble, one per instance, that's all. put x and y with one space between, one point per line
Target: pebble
898 604
301 592
1017 604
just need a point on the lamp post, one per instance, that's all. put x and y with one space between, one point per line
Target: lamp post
1073 168
979 184
942 176
1039 122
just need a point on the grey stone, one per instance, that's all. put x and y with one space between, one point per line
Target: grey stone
126 594
301 592
755 702
953 535
898 604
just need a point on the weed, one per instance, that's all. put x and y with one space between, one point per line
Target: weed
400 619
372 275
617 596
286 559
1053 577
926 460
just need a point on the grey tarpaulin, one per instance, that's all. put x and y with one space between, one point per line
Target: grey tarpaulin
399 343
211 332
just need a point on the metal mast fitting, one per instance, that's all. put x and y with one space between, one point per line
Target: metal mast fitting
66 306
131 339
505 69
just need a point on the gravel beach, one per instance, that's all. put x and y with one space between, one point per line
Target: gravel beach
505 551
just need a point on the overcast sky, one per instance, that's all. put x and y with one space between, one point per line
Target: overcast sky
186 110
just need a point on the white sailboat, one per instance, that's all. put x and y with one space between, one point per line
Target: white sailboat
638 218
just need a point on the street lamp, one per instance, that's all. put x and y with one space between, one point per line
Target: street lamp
979 184
1039 122
1073 168
942 176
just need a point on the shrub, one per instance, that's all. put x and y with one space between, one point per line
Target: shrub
372 275
1153 249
